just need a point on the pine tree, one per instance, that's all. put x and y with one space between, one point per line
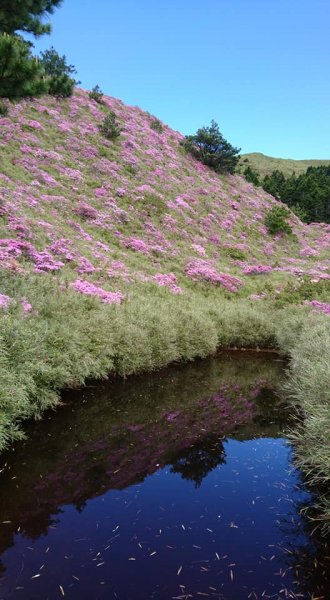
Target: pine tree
26 15
210 147
252 175
21 74
58 73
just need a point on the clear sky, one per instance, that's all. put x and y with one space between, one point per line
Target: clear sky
260 68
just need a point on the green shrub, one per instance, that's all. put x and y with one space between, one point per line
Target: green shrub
157 126
300 212
296 292
3 109
234 253
275 220
96 94
109 127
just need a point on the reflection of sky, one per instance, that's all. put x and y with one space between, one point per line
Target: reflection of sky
224 537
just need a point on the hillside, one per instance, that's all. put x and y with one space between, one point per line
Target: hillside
129 212
265 165
122 256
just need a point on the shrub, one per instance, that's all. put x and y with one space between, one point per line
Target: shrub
157 126
3 109
234 253
96 94
210 147
301 213
275 220
110 127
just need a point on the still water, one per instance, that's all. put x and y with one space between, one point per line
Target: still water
174 485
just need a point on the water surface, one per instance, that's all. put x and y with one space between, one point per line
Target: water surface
177 484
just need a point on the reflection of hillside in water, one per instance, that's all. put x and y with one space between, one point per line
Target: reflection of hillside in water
115 435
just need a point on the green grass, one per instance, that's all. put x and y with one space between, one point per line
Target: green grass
265 165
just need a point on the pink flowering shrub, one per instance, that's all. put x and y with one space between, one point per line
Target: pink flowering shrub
199 249
4 300
319 307
137 244
86 211
204 270
27 307
257 269
88 288
168 280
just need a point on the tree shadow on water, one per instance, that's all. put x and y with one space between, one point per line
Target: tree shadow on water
196 462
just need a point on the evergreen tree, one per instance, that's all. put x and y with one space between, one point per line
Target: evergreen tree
210 147
21 74
252 175
26 15
273 183
308 194
58 73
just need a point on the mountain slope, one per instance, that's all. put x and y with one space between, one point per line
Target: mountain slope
74 203
265 165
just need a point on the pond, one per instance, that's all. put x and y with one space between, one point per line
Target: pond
176 484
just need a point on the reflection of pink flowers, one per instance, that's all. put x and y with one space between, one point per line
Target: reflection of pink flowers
172 415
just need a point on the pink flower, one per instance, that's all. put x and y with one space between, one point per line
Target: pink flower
319 307
4 300
27 307
205 270
168 280
88 288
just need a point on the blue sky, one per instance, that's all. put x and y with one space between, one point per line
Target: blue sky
260 68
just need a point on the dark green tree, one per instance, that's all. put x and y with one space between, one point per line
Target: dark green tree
273 183
96 94
26 15
21 74
308 194
210 147
58 73
109 127
252 175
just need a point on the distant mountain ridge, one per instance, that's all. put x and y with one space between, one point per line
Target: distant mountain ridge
265 165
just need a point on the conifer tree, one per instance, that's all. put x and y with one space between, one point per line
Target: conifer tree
210 147
58 73
26 15
21 74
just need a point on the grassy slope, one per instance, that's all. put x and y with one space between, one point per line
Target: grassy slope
265 165
124 256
